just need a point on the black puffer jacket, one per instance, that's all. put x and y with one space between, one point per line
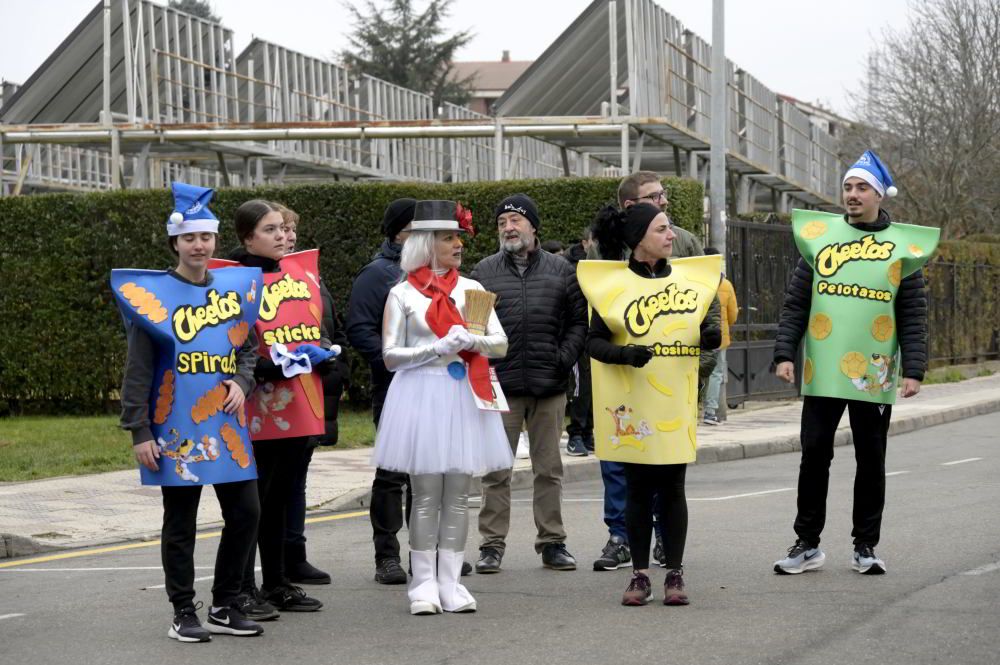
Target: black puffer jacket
544 315
911 313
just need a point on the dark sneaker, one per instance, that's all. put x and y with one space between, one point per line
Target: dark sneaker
639 591
186 627
290 598
466 568
801 557
711 419
489 561
615 555
673 588
254 606
866 562
230 621
658 555
575 447
588 443
555 556
304 572
388 571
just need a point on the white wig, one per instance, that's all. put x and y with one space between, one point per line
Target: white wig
418 251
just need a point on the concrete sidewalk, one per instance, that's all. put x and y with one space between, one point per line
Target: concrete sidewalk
108 508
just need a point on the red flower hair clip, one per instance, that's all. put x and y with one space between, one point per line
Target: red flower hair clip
464 218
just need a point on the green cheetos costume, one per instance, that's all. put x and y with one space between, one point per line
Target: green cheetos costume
851 346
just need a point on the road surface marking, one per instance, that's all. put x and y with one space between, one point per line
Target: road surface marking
164 586
88 570
741 496
895 473
962 461
9 616
988 568
151 543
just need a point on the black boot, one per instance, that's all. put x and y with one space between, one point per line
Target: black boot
299 570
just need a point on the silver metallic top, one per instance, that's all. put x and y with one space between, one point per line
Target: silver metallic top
407 340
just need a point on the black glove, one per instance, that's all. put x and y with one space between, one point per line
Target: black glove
636 356
711 338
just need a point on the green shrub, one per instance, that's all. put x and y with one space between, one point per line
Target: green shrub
62 347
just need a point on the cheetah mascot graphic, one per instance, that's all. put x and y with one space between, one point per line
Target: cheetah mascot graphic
879 379
186 451
625 433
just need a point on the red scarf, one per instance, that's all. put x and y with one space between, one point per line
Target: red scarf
442 315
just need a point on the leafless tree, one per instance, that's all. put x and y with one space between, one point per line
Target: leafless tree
931 108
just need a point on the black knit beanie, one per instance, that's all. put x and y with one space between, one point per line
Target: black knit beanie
397 215
521 204
636 219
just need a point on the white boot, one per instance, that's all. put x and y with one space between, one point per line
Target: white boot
454 596
423 588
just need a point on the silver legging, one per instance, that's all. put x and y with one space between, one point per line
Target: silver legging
439 515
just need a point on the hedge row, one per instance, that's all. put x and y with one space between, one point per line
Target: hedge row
62 347
963 290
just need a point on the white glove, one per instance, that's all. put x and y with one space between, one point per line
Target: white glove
451 343
462 333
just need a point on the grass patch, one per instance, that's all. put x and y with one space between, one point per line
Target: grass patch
34 447
944 375
985 371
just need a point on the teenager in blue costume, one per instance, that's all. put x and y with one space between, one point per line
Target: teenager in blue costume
189 369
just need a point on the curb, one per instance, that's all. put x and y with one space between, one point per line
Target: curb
574 470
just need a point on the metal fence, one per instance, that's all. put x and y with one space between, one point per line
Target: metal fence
760 259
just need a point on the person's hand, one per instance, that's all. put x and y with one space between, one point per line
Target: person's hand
234 397
453 342
785 371
316 353
146 454
636 356
462 334
909 388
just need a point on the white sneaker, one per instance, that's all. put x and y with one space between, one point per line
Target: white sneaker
522 446
866 562
801 557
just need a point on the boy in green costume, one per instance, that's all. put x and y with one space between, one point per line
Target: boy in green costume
857 297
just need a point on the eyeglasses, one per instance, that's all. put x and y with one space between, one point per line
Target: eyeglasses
655 196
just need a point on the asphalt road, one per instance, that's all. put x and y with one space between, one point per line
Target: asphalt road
938 603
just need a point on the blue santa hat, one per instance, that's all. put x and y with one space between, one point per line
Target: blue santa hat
191 213
870 169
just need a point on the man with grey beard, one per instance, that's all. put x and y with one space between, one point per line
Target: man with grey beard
544 314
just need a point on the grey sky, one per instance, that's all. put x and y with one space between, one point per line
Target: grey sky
811 49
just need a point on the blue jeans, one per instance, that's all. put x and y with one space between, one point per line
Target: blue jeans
615 492
715 382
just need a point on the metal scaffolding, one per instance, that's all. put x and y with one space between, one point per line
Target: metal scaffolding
626 86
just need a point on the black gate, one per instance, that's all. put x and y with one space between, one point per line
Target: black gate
761 258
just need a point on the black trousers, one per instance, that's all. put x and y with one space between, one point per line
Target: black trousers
870 427
581 407
277 464
387 507
666 481
240 511
295 518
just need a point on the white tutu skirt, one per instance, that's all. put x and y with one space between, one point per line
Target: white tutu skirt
430 424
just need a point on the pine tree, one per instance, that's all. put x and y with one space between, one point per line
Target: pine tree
199 8
409 48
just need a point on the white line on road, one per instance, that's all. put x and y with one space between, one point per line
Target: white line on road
895 473
87 570
741 496
988 568
9 616
962 461
164 586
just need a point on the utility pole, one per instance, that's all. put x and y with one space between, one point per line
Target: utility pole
717 180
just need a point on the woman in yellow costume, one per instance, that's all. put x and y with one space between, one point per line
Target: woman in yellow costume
649 234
